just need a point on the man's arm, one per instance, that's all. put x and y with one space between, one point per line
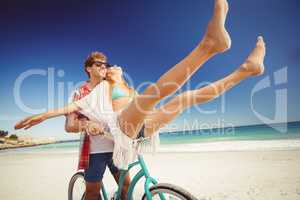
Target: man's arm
75 125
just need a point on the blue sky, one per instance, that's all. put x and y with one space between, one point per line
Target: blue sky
146 38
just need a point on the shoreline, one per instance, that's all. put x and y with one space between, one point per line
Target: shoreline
23 146
190 147
7 146
15 144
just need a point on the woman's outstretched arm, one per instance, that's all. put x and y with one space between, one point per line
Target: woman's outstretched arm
39 118
89 104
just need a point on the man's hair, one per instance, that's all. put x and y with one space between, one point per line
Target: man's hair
91 59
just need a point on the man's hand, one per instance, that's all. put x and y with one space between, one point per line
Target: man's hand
74 124
94 128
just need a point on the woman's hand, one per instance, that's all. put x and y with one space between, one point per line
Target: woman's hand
30 121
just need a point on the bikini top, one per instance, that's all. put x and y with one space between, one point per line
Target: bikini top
118 92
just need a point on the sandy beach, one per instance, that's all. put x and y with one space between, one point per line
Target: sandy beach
240 175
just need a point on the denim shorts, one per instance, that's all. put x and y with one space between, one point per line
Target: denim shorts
97 166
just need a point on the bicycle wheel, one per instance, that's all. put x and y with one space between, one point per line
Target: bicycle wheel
76 189
170 192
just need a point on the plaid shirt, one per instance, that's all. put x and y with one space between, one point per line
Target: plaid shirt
84 152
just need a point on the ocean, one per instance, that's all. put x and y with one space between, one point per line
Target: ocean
253 137
252 132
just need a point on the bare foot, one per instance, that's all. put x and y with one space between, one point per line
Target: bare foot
254 64
217 39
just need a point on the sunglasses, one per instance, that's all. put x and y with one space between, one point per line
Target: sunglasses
101 64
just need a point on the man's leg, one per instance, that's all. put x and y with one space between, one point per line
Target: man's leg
94 174
216 40
93 191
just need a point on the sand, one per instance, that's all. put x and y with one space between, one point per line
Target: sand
244 175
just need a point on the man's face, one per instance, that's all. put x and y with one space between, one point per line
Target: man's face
98 69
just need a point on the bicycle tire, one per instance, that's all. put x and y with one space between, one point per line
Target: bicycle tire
167 188
72 182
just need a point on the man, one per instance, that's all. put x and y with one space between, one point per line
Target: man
96 151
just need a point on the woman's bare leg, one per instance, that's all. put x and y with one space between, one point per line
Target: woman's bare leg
253 66
216 40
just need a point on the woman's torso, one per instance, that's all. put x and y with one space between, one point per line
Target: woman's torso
121 95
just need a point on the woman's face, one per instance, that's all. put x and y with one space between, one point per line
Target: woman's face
114 73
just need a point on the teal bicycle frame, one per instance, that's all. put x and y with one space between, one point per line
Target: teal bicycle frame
143 172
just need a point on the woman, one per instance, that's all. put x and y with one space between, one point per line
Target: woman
121 93
140 117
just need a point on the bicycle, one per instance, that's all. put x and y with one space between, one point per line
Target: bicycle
162 191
